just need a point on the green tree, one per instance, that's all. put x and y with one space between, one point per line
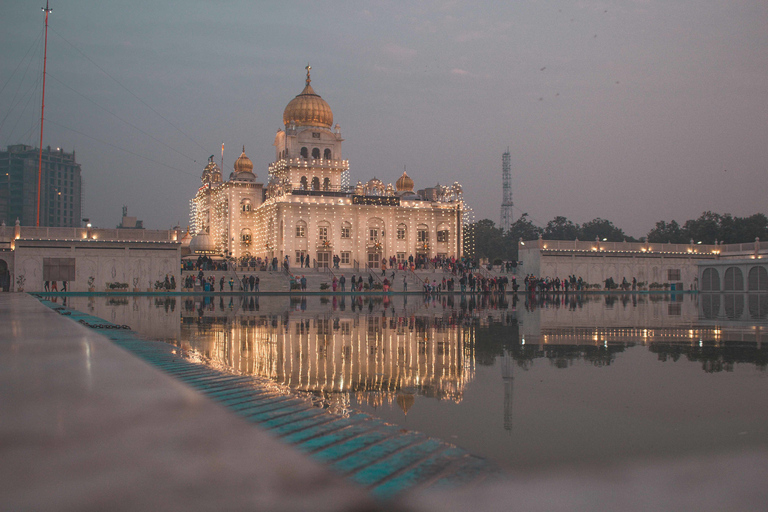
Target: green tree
489 240
521 229
604 230
705 229
667 233
561 228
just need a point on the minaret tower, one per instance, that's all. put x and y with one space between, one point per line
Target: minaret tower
506 203
308 149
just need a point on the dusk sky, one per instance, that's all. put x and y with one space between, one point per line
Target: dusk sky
633 111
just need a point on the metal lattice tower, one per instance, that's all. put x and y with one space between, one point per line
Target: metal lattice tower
506 203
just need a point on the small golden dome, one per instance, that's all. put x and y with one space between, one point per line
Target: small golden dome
404 183
243 163
308 109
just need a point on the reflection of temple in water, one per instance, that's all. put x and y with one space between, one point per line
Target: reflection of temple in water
376 354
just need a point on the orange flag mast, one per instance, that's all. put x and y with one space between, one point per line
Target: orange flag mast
42 111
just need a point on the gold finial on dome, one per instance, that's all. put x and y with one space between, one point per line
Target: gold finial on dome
243 163
308 108
404 183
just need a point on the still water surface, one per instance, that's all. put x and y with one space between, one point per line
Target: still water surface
531 384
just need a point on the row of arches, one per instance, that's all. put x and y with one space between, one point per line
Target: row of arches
305 152
327 153
305 184
733 279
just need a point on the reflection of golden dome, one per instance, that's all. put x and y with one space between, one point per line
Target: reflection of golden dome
405 402
308 109
243 163
404 183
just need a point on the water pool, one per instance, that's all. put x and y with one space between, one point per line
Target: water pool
533 384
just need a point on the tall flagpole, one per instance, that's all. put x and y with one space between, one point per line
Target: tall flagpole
222 158
42 113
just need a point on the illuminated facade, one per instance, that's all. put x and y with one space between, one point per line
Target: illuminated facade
308 207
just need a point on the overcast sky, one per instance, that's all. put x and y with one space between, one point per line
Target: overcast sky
633 111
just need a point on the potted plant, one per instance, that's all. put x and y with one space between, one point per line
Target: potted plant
136 285
91 280
20 280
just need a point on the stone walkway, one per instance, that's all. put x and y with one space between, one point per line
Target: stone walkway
85 425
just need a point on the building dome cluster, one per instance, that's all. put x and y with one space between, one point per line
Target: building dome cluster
306 207
308 109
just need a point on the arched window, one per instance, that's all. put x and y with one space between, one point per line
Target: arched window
304 153
304 183
442 233
758 279
245 205
315 183
301 229
346 230
710 280
315 153
422 234
245 236
327 154
734 279
327 184
402 232
323 232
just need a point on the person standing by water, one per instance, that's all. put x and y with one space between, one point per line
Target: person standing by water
405 283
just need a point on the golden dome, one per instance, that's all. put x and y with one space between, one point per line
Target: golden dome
308 109
243 163
404 183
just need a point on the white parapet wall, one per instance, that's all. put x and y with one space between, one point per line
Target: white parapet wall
89 258
597 261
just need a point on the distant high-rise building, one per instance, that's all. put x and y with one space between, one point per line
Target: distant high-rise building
60 190
506 202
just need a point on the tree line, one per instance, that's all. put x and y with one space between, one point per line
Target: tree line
492 243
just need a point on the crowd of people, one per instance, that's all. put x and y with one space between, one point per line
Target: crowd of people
572 283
